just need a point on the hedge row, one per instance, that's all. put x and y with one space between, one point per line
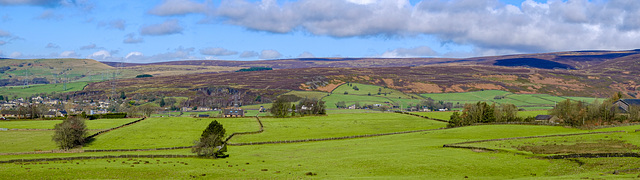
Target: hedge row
441 120
98 157
105 131
107 116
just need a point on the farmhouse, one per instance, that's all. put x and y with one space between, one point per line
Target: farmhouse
625 104
234 112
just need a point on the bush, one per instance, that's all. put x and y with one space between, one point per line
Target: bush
70 133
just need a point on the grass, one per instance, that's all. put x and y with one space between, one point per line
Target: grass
444 115
19 91
337 125
525 101
308 94
412 156
49 124
166 132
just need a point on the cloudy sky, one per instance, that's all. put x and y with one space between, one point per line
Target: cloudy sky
165 30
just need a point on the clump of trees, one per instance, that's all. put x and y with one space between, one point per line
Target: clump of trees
481 112
70 133
280 108
283 107
211 143
578 113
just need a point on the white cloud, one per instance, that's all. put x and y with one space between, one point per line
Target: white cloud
90 46
2 42
131 39
100 55
166 28
50 14
270 54
306 55
133 55
249 54
217 52
30 2
4 33
69 54
115 24
15 55
178 7
421 51
489 25
51 45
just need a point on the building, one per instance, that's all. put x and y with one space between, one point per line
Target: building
233 113
625 104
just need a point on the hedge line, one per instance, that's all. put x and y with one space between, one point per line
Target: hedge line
98 157
594 155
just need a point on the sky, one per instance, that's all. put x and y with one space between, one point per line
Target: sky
144 31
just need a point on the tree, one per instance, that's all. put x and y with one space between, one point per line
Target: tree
341 104
122 96
280 107
70 133
147 110
356 88
211 141
293 110
162 103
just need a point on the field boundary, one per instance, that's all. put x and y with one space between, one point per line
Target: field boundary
106 131
330 139
426 117
99 157
458 145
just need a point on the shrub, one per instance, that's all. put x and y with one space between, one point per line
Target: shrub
211 141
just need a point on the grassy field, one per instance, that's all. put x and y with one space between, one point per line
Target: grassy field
49 124
337 125
525 101
412 156
20 92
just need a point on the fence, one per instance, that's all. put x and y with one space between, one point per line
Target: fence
441 120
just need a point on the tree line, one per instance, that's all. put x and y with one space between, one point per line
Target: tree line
481 112
283 107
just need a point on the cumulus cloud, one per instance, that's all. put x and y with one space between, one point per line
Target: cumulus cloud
411 52
115 24
217 52
51 45
134 55
131 39
489 25
69 54
100 55
50 15
249 54
306 55
4 33
178 7
179 53
270 54
15 55
90 46
166 28
30 2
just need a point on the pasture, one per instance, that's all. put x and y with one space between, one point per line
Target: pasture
524 101
419 155
20 92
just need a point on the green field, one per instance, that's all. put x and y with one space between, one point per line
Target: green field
49 124
524 101
404 156
20 92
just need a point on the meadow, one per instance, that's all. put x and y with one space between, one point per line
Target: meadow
419 155
20 92
524 101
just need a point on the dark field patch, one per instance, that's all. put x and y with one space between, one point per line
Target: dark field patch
531 62
600 146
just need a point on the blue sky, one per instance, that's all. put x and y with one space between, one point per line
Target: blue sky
166 30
